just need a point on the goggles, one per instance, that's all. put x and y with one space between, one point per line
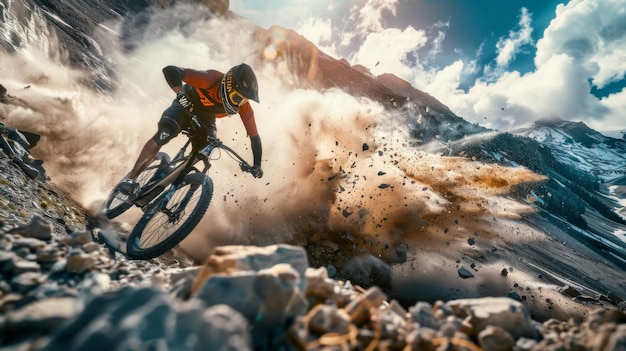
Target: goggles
231 99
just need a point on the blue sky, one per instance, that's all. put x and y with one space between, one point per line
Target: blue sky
502 64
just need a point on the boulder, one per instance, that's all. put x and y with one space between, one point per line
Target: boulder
367 271
235 258
503 312
149 319
269 297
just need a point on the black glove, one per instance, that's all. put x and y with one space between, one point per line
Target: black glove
256 171
184 101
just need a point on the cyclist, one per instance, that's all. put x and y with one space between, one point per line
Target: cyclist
209 95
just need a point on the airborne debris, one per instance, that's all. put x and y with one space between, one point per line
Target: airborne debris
464 273
515 295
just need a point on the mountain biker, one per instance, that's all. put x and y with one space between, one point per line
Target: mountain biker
208 94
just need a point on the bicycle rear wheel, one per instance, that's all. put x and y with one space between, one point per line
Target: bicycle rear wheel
117 203
168 221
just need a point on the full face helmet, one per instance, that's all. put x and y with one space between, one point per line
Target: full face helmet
238 85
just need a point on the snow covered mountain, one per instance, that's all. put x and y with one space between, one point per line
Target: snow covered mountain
615 134
585 170
581 147
597 164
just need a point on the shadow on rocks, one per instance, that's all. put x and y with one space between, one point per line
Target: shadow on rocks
367 271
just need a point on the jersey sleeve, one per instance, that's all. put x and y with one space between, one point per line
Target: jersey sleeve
201 79
247 117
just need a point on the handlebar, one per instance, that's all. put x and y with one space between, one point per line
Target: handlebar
216 143
246 167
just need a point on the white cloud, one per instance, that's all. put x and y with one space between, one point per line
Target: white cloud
447 80
591 31
286 13
319 32
614 119
508 48
557 89
586 41
442 24
437 44
369 17
386 51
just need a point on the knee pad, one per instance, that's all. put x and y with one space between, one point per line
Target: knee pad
168 129
163 135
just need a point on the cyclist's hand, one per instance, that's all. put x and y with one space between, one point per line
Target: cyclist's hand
256 171
184 101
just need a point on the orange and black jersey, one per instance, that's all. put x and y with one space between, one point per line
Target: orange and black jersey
202 88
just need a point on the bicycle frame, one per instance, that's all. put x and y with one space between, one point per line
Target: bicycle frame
173 176
186 163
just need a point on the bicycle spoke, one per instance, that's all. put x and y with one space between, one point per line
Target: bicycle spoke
186 199
168 219
155 235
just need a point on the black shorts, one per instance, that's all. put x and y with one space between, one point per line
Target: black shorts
175 119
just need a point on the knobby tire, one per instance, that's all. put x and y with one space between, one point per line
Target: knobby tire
153 236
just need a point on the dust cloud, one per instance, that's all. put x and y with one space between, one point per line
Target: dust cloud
85 137
338 169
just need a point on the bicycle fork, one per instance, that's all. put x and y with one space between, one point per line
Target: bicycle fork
161 205
175 212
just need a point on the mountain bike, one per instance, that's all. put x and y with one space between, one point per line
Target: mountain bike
174 194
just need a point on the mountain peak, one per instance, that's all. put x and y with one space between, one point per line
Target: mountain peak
578 131
402 87
324 71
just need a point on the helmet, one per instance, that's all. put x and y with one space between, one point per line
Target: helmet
238 85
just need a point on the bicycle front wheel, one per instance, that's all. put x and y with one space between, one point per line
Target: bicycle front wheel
167 222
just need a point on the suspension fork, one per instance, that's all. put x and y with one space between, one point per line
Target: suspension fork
161 201
177 175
